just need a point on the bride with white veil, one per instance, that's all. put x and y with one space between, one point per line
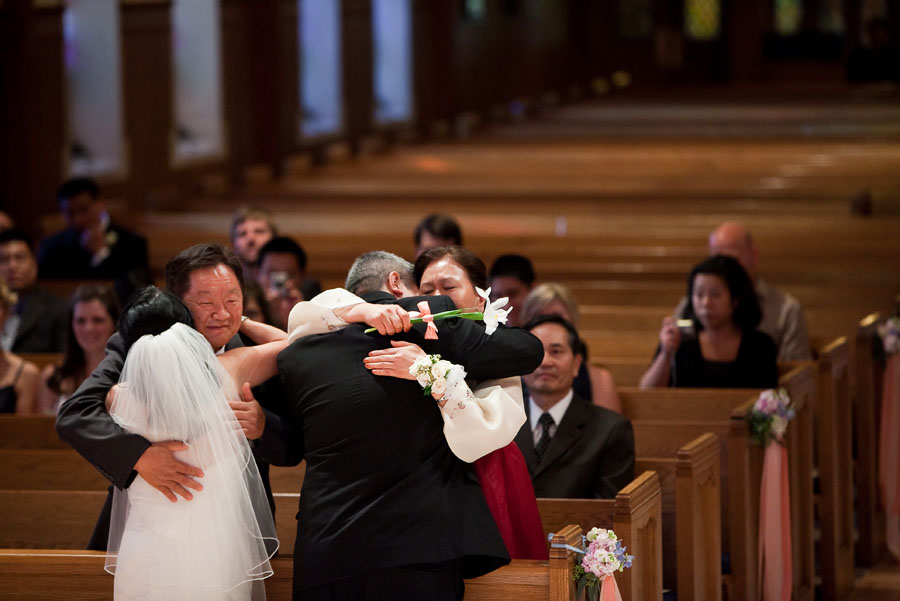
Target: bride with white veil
173 387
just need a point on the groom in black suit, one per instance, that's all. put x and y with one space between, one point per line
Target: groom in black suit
387 512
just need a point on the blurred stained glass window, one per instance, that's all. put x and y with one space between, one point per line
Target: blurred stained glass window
831 16
636 19
702 19
788 16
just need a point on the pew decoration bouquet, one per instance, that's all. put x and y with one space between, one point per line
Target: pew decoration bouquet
890 335
493 314
769 416
603 556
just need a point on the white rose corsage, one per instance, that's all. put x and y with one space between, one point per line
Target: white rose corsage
440 378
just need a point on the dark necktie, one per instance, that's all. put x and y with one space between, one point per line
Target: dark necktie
541 447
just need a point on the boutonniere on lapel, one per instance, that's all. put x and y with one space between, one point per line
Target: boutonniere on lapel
111 238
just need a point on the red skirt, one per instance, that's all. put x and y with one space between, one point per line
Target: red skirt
510 496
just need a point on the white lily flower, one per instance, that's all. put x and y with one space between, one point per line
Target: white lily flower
494 313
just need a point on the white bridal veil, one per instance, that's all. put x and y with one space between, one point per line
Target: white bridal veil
173 388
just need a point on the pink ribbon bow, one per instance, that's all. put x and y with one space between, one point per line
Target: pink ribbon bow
609 589
427 317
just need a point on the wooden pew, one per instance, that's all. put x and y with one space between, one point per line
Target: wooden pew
29 432
70 575
636 517
64 469
42 360
657 413
868 376
834 455
691 518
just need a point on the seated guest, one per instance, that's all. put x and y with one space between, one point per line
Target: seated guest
723 349
18 378
282 274
573 449
593 383
255 305
512 276
251 228
91 247
6 222
782 315
437 230
93 315
37 322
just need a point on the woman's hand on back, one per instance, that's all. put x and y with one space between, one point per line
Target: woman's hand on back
394 361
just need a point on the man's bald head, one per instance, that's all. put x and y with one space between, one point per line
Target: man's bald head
734 240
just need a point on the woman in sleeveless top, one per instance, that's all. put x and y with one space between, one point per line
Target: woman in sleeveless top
18 378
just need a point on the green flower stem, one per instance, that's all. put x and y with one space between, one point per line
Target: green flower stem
475 315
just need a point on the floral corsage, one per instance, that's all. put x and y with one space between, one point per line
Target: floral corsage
440 378
769 416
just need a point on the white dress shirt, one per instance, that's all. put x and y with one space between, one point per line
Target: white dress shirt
488 420
557 412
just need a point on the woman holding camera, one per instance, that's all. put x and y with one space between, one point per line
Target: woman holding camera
723 349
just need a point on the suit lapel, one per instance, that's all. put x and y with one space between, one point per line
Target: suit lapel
567 433
525 441
34 311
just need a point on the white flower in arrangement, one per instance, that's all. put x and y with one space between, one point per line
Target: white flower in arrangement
494 313
601 534
438 386
890 335
440 369
779 426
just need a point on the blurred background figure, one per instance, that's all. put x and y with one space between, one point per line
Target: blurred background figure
724 348
6 221
282 275
37 321
251 228
18 378
92 246
878 58
93 316
593 383
437 230
512 276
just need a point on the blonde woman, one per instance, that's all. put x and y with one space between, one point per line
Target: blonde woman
18 377
593 382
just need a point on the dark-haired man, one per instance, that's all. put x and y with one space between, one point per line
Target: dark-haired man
574 449
91 246
512 276
282 275
437 230
207 277
37 322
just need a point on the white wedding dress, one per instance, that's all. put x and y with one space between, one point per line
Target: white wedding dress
218 545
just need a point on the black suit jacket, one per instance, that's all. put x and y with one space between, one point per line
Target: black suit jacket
42 324
590 456
61 256
381 482
84 423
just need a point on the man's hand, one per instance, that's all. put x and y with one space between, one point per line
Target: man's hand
167 474
394 361
387 319
249 413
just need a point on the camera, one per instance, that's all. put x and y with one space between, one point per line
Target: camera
686 327
277 281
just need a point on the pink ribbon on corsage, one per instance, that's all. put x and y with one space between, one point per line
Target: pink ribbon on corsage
428 318
775 559
889 452
609 589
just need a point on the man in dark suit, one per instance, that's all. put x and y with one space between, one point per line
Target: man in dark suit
91 247
207 277
37 322
381 483
573 449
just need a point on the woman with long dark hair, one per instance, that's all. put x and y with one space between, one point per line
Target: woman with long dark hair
93 314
